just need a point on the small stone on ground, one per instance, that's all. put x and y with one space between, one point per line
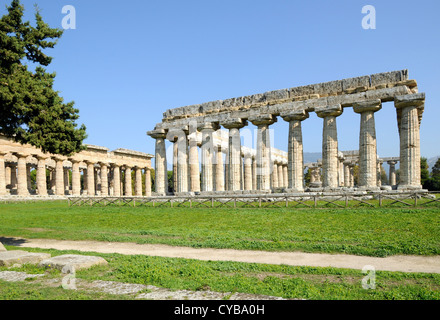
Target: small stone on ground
78 262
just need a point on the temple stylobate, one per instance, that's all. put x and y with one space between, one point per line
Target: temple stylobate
363 95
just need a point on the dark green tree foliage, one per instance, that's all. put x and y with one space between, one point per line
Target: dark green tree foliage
31 111
424 172
435 177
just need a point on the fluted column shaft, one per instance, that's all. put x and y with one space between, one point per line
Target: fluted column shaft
275 179
247 171
329 145
22 189
295 152
104 179
409 113
116 180
264 157
207 151
234 153
393 180
91 179
367 143
193 160
138 182
161 170
128 192
76 178
2 174
41 176
147 182
219 170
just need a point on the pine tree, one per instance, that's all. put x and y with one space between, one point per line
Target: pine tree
31 111
435 176
424 172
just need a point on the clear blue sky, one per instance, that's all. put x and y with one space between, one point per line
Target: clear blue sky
128 61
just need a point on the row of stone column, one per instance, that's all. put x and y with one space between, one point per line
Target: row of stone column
409 110
99 178
346 173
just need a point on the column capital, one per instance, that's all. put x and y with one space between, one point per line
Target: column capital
299 115
3 153
157 134
392 162
329 111
103 164
73 160
369 105
262 119
20 154
232 123
208 126
410 100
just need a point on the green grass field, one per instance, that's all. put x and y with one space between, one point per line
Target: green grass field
375 232
361 231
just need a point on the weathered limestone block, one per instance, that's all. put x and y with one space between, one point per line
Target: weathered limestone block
76 261
2 247
388 77
352 83
9 258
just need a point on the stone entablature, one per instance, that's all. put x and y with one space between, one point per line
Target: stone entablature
383 86
17 160
365 95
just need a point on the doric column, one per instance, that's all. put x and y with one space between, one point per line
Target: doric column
254 172
234 152
346 174
161 171
147 182
182 162
128 192
207 150
274 175
193 159
90 178
219 170
379 173
367 143
138 182
175 153
22 189
13 176
295 149
247 170
286 176
116 180
41 175
280 175
329 145
104 178
351 167
392 165
76 177
66 181
264 158
409 114
2 174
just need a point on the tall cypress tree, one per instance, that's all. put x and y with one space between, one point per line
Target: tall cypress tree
31 111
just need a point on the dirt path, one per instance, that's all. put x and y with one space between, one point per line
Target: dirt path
394 263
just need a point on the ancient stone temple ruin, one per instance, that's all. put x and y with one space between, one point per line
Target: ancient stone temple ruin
193 129
93 172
